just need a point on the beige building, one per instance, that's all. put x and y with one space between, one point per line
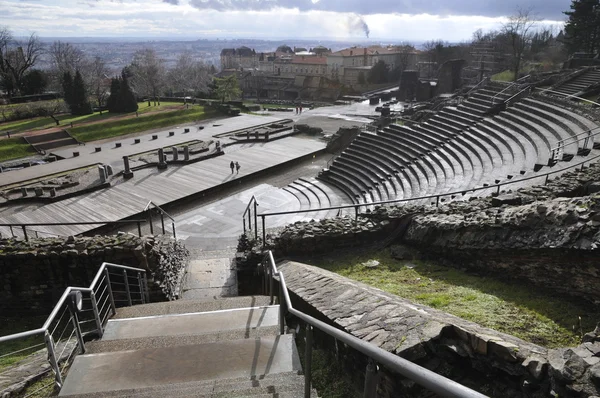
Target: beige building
239 58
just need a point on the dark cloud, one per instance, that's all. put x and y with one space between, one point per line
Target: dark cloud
546 9
174 2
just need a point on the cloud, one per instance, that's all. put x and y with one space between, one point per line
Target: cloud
174 2
546 9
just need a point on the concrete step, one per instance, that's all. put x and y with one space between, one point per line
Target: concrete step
151 368
280 385
191 323
188 306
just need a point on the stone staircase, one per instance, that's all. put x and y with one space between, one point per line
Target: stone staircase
227 347
579 83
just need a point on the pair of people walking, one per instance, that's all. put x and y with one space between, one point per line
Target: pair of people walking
234 165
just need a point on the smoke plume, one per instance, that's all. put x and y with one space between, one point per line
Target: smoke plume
356 23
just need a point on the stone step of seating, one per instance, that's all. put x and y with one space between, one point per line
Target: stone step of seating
571 128
539 142
584 122
300 196
369 186
368 172
387 166
553 132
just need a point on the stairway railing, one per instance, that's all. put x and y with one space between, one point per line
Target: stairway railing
252 206
438 198
80 312
148 210
481 83
424 377
586 137
510 87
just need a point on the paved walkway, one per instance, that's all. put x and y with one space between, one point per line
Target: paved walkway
114 156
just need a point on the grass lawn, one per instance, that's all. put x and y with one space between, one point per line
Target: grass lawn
519 310
14 148
114 128
40 123
506 76
17 325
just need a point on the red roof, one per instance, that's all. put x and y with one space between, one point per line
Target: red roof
309 60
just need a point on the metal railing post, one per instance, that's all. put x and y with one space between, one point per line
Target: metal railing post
244 220
174 233
162 221
255 221
151 222
370 380
12 233
75 319
271 284
96 314
126 281
141 286
25 233
139 225
146 291
110 292
356 212
52 358
308 361
264 231
250 219
281 309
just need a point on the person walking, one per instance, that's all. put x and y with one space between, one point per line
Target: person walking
232 166
237 167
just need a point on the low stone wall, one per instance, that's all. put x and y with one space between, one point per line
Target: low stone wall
34 274
464 351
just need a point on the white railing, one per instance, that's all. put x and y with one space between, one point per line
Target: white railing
81 312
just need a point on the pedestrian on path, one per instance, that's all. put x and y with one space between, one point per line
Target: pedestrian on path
232 166
237 167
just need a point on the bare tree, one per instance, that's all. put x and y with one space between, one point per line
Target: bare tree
148 74
98 80
189 75
518 31
64 57
16 58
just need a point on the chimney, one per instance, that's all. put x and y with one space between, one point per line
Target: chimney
350 52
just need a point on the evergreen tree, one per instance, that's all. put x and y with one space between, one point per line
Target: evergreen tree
67 86
81 104
112 103
121 99
582 30
128 101
379 73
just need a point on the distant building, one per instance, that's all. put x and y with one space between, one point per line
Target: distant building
239 58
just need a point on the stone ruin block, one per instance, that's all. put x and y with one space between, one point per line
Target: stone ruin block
171 133
154 136
136 141
75 154
117 145
39 191
186 130
98 149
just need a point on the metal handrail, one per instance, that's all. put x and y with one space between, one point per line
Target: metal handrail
422 376
248 211
109 306
483 81
437 197
568 96
516 82
162 219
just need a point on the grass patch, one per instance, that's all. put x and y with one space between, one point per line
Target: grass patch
42 388
17 325
328 376
137 124
506 76
14 148
523 311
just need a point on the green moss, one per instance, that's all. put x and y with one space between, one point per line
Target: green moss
532 314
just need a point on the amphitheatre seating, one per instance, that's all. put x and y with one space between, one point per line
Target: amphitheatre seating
458 148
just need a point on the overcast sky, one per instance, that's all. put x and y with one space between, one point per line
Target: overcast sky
394 20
